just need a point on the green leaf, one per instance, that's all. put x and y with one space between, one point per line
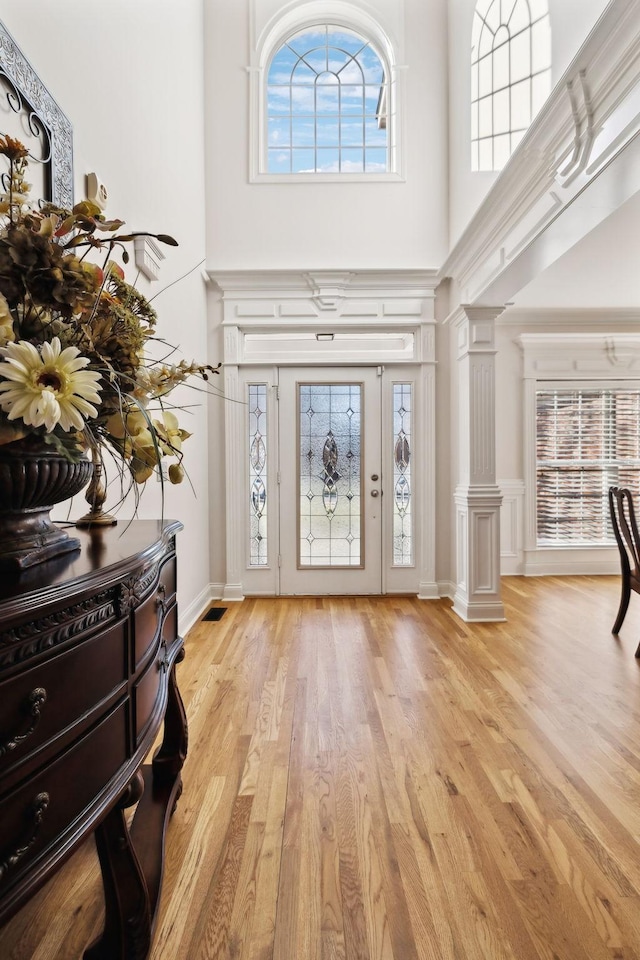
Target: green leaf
165 238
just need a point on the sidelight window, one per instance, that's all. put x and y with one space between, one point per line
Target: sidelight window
402 492
257 444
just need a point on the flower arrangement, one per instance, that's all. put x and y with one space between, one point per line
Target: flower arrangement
74 370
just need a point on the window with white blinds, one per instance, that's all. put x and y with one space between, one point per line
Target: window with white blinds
586 441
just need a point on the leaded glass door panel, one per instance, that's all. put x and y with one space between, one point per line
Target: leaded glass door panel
330 481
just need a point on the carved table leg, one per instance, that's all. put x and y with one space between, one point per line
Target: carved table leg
170 756
127 928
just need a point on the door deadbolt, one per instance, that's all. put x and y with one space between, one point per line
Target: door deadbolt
374 477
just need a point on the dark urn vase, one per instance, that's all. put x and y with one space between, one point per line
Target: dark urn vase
33 478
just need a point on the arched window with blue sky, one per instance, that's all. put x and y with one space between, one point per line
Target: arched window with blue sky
327 104
510 76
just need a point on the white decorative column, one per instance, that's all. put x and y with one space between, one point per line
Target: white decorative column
477 496
234 425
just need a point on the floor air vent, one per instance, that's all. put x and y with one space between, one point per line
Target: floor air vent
215 613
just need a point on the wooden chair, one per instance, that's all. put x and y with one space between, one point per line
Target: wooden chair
625 528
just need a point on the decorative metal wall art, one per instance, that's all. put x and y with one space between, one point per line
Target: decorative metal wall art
44 128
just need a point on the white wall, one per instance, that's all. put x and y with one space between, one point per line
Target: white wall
129 77
256 226
571 22
326 225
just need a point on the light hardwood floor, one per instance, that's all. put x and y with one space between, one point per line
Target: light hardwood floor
372 779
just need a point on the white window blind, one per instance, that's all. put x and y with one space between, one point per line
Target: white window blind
586 441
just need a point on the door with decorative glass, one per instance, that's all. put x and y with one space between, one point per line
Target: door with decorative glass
330 474
317 465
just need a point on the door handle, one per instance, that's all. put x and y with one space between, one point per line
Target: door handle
375 493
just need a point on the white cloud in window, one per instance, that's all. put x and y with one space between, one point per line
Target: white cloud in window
302 99
280 78
348 166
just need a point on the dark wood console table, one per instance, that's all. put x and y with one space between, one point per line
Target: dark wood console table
88 650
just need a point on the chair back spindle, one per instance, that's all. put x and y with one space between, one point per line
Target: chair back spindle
625 529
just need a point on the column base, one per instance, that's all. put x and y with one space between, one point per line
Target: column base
478 612
233 591
477 597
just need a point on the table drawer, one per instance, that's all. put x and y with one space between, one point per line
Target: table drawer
148 616
39 813
40 703
146 693
168 577
148 688
170 625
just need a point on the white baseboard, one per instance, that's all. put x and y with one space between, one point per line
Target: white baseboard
232 591
188 616
446 588
428 590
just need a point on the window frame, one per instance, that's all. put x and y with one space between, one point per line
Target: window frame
587 360
285 28
600 463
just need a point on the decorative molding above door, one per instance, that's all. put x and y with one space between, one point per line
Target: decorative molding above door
361 316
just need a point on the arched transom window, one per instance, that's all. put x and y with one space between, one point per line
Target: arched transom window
510 76
328 105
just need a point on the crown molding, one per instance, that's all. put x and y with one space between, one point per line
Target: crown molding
350 283
581 356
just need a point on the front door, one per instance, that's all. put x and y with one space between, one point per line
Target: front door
330 472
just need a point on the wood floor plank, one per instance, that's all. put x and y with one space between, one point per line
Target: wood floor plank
373 779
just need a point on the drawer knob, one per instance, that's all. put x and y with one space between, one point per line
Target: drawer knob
32 706
163 663
35 814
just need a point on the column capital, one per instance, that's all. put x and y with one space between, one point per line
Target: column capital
468 311
475 328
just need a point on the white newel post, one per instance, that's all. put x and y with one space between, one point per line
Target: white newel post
477 496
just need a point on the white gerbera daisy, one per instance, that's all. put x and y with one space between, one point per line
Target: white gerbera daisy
49 387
